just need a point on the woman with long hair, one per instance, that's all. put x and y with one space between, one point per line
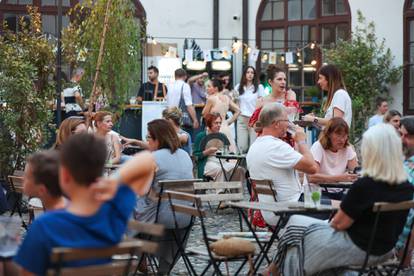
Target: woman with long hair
276 77
104 124
68 127
393 117
249 91
173 163
219 103
338 102
335 157
310 246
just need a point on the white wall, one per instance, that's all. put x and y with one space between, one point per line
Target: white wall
388 18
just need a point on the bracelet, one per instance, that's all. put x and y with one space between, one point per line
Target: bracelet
303 142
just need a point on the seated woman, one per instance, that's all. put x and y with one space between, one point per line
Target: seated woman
393 117
172 163
68 127
335 157
207 163
103 124
173 115
309 246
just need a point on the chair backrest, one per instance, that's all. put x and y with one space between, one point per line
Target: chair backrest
146 228
233 191
389 207
181 185
263 187
16 183
189 204
62 255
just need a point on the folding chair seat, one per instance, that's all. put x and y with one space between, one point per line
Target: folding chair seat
192 205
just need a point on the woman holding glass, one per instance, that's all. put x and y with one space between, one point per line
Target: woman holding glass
338 103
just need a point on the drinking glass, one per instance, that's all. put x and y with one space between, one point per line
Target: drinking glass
313 196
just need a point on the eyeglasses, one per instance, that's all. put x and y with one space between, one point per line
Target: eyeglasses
148 137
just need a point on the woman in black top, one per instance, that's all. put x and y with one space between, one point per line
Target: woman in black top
309 246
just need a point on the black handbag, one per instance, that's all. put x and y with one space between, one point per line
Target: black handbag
186 120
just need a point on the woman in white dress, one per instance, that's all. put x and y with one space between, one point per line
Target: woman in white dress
103 124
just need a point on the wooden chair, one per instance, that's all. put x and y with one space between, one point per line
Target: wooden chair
129 248
233 191
192 205
16 189
146 231
181 185
388 268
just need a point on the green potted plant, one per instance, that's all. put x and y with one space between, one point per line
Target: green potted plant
314 93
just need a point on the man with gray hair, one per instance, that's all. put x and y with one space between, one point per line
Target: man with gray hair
269 157
407 137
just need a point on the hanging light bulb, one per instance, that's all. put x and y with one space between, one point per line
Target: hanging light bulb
298 53
264 58
312 45
314 62
282 58
249 50
299 60
236 46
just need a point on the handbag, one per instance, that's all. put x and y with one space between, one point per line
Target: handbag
186 120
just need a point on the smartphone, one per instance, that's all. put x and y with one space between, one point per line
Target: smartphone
357 170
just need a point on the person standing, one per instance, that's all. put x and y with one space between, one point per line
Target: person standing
181 91
249 91
339 103
152 90
382 108
198 91
72 96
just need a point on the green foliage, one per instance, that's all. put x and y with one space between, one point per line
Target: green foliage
26 67
367 68
120 69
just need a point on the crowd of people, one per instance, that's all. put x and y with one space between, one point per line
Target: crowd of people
82 209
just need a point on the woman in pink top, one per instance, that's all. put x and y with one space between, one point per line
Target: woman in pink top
335 156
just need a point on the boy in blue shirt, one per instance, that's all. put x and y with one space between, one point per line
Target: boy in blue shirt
98 212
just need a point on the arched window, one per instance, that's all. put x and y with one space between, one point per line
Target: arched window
408 76
286 25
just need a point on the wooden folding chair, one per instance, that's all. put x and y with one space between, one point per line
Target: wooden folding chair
192 205
180 185
16 189
60 256
388 268
146 231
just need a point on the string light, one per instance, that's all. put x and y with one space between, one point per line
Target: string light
313 62
312 45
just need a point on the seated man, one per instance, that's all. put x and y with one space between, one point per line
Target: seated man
269 157
41 179
97 215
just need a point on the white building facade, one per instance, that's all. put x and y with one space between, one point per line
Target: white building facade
286 25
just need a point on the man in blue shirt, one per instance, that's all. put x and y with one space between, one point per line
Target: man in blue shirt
98 212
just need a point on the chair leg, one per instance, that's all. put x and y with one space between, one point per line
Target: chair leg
206 269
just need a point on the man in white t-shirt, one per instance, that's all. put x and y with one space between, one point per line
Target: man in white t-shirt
178 88
382 108
269 157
